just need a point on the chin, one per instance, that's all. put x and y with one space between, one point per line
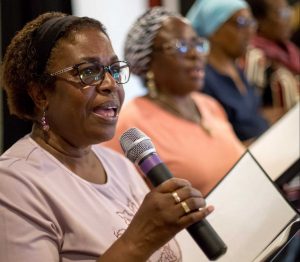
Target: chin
104 135
108 136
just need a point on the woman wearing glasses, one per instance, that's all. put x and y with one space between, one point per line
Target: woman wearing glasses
229 26
61 198
189 130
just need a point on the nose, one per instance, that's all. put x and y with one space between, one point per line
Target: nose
193 53
108 84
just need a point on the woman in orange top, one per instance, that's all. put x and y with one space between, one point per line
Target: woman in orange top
189 130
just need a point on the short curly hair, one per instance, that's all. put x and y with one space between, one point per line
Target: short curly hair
20 65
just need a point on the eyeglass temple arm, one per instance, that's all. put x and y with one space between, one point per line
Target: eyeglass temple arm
62 71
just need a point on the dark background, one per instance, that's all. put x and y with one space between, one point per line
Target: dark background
14 15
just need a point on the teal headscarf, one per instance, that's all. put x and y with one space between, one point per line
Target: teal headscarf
207 16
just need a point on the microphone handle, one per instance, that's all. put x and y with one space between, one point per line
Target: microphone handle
202 232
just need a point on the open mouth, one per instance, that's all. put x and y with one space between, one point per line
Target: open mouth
108 112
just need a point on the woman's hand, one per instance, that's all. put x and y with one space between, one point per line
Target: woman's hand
166 210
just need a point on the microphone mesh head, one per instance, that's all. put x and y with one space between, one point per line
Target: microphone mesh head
136 145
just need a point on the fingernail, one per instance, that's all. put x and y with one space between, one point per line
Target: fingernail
210 209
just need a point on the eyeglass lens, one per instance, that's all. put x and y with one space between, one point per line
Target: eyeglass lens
245 22
93 73
284 13
201 46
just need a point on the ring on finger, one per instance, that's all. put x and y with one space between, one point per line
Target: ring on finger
185 207
176 197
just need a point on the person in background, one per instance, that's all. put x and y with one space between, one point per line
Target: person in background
273 61
295 5
229 26
273 64
190 130
61 197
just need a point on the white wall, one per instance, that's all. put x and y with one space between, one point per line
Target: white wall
117 16
172 5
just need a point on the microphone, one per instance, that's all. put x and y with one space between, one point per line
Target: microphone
140 150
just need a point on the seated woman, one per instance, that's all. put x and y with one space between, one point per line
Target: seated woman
273 61
190 130
61 197
229 26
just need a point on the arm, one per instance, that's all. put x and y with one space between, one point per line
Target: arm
26 229
22 238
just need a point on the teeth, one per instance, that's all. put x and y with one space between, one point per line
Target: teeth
109 111
113 108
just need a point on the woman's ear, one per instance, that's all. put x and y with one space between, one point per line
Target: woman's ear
38 96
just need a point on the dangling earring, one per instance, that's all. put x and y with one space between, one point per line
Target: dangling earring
44 123
151 84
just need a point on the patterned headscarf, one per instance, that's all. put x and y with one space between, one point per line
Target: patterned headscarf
139 41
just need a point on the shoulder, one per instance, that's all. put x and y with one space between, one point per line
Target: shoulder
24 153
27 165
204 99
209 103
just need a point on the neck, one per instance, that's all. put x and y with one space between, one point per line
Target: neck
81 161
181 106
56 145
220 60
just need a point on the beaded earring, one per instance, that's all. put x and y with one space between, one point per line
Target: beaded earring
151 84
45 125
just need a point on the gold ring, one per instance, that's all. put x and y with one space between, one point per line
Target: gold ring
176 197
185 207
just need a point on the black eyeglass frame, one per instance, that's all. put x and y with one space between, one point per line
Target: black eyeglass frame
105 69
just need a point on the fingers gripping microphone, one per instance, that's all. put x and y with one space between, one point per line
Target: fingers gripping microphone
139 149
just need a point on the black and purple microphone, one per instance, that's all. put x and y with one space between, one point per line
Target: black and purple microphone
140 150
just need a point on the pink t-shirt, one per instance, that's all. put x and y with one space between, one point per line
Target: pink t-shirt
185 147
49 214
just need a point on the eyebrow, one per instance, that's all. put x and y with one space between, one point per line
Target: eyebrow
96 59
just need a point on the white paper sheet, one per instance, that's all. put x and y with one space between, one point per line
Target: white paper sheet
249 214
279 147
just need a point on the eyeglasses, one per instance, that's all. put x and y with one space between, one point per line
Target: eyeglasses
182 47
93 73
245 22
284 13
